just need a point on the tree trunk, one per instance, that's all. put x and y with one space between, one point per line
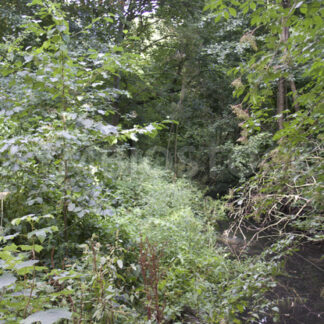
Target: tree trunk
295 94
119 39
281 99
179 112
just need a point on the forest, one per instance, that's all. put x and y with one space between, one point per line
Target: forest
161 161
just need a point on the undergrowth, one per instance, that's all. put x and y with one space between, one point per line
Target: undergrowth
162 263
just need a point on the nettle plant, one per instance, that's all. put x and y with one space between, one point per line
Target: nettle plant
55 103
89 290
22 286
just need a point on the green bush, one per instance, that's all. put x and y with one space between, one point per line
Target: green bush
197 273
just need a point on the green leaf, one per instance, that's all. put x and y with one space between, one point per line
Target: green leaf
252 5
299 4
303 9
95 20
217 18
232 12
48 317
109 19
36 2
8 237
24 293
35 247
120 263
28 218
28 58
6 280
133 137
117 49
61 28
41 233
26 264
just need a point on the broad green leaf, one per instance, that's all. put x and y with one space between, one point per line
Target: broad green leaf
48 317
232 11
117 49
26 264
24 293
133 137
107 19
41 233
34 247
36 2
6 280
303 9
8 237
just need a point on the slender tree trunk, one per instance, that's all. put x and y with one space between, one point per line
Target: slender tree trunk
119 39
281 99
116 116
178 114
65 200
295 94
168 147
65 161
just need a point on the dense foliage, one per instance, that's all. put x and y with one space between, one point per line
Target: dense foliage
161 161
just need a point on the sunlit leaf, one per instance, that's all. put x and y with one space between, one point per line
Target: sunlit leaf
6 280
48 317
